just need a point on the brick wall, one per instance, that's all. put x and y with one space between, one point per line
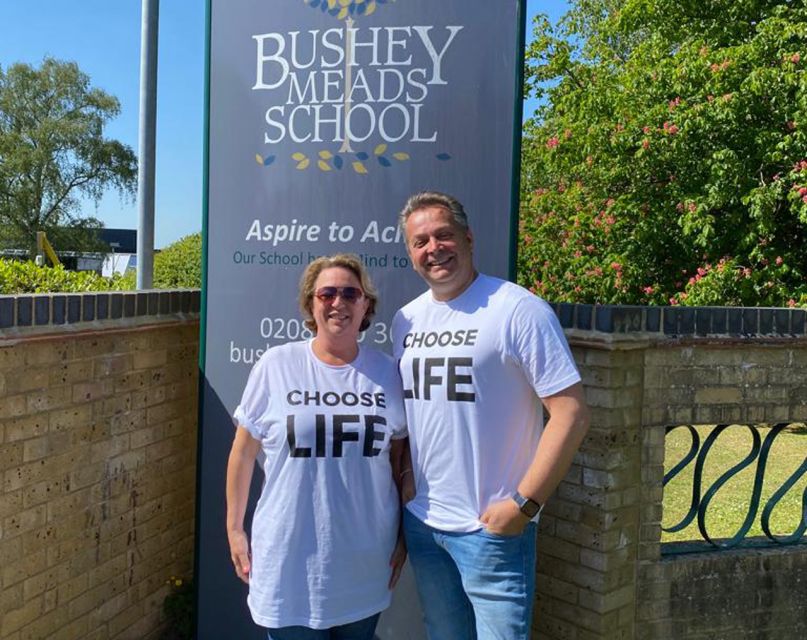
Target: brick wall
97 461
601 573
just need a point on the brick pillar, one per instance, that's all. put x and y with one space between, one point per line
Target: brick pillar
590 533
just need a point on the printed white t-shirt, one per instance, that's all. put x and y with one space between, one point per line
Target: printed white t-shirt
327 520
474 369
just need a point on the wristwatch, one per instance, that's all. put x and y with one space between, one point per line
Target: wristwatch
527 506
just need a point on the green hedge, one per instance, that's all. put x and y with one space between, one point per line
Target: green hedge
26 277
178 266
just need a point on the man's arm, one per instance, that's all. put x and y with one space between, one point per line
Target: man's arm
564 431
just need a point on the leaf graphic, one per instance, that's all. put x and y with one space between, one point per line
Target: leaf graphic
303 164
338 162
380 149
268 160
359 167
443 156
401 156
298 156
345 3
361 155
324 166
384 162
325 155
258 159
370 9
342 14
331 4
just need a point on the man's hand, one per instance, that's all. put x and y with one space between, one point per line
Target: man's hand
397 560
239 554
504 518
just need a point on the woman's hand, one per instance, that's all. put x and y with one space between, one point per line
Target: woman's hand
407 485
239 554
397 560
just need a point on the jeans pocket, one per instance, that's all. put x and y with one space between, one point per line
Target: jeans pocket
487 533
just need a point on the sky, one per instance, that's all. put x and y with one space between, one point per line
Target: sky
103 37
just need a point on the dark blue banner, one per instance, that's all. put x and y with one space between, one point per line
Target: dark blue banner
323 117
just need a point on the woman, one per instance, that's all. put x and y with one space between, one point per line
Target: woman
328 415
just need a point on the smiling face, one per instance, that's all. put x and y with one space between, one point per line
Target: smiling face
338 318
441 251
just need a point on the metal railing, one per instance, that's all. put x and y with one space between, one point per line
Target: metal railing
702 497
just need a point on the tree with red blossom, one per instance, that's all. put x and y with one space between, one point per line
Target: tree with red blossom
671 142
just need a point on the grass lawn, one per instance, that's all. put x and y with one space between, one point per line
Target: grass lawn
730 505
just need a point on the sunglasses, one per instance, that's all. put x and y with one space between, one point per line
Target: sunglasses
348 294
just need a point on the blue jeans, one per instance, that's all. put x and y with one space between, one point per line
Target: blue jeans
359 630
473 585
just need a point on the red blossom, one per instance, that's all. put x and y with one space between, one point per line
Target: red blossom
779 260
552 142
791 303
645 143
616 266
648 290
795 58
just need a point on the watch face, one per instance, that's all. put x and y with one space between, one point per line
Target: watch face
528 507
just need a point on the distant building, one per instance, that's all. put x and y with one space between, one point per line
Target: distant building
123 243
122 256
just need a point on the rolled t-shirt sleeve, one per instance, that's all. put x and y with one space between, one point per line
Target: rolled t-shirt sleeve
253 410
536 341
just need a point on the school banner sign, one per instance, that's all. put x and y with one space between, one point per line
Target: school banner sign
323 116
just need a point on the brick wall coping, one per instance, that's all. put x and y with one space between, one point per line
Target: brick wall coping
50 311
682 322
58 309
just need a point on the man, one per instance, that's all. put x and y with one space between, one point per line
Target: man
478 356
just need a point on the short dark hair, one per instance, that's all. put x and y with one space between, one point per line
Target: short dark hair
347 261
433 199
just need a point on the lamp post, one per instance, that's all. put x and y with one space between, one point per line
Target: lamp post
147 142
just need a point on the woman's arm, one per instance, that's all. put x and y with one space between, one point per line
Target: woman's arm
239 476
401 464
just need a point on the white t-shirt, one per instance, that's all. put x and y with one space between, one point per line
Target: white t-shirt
473 370
326 522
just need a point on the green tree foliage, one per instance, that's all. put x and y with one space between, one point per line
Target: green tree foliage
668 163
53 152
178 266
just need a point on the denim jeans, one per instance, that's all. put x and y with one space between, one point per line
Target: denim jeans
473 586
359 630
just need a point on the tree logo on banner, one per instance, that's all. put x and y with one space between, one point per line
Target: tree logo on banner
359 160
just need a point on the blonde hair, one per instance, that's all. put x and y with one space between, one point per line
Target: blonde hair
347 261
